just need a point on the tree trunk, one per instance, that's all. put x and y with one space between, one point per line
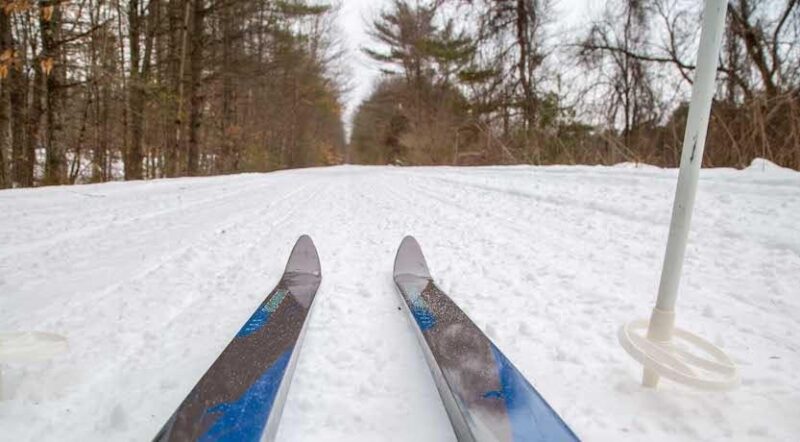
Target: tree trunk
227 161
133 157
196 100
33 126
754 45
524 43
14 85
54 170
5 133
5 105
180 27
104 139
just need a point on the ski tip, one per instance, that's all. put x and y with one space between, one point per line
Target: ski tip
410 260
304 257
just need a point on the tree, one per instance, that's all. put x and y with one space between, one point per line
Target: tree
630 98
416 114
515 29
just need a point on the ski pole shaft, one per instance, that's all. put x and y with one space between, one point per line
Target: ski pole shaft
663 318
693 147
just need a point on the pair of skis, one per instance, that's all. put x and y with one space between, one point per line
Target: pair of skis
241 397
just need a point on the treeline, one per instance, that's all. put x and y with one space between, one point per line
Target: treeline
95 90
494 81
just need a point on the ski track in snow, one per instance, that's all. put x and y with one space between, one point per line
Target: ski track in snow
150 280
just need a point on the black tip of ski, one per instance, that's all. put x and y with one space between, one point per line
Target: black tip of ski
304 257
410 260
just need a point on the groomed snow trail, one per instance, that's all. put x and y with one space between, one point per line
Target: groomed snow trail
149 281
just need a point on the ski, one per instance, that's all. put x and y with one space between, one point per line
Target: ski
485 396
241 396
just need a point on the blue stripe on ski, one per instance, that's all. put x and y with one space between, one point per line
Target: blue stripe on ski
424 317
531 418
261 317
245 419
422 313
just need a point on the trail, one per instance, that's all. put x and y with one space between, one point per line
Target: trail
150 280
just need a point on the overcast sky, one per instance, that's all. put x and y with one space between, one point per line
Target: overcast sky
356 15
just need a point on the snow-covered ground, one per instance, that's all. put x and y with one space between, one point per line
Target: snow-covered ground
150 280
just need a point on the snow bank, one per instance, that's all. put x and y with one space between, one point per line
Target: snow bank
150 280
764 165
632 165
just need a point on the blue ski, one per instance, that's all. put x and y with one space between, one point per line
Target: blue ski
240 398
486 397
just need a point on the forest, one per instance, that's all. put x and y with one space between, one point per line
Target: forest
101 90
489 82
140 89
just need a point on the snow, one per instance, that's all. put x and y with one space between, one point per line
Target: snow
150 280
764 165
630 165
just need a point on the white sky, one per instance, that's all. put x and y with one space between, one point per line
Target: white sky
356 16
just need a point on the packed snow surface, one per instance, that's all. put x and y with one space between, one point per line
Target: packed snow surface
150 280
